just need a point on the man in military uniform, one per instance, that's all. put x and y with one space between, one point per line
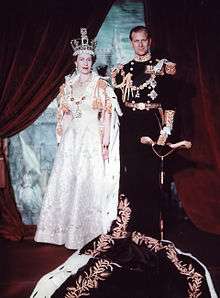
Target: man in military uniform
147 91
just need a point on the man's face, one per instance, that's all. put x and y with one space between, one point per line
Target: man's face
140 42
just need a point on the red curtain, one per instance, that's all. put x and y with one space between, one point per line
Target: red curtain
189 30
35 55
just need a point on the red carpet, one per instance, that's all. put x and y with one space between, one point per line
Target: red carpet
23 263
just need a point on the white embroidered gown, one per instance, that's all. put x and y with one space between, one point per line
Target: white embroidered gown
82 194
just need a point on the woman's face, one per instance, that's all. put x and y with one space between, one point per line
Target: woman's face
84 63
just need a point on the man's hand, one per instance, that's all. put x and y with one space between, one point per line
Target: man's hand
181 144
147 141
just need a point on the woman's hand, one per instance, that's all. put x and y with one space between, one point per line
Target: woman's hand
105 152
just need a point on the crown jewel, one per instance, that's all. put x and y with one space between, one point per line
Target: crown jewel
83 45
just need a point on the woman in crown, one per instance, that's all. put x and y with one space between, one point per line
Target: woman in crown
82 193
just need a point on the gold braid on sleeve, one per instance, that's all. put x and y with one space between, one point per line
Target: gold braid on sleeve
169 118
166 131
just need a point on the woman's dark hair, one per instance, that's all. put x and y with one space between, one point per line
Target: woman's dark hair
140 28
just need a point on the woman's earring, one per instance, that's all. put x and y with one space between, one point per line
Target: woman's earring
76 68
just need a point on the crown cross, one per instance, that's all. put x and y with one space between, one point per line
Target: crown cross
83 45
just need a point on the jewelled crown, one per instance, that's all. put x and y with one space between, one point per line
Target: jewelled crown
83 45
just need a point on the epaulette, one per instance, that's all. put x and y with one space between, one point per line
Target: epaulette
120 66
170 68
162 66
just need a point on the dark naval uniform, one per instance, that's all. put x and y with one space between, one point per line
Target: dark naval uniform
147 93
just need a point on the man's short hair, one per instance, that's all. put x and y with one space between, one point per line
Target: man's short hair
140 28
